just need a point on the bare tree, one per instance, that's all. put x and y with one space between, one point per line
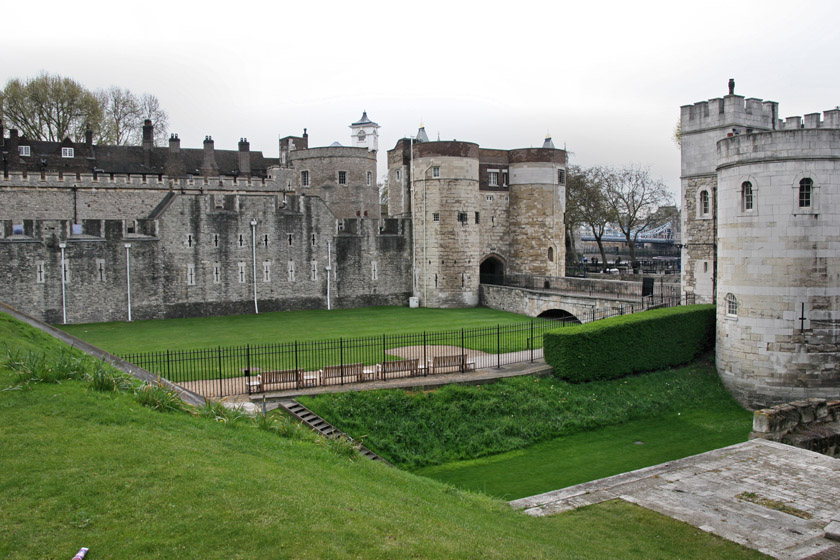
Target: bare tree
633 197
586 199
125 113
49 107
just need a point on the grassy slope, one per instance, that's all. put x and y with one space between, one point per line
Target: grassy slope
83 468
280 326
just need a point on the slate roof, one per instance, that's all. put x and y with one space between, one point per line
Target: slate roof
364 120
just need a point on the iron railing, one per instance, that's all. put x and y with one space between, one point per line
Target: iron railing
224 371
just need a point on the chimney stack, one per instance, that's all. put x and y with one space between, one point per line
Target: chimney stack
209 167
148 142
88 136
244 157
175 167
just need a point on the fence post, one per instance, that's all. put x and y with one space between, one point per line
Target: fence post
531 341
383 349
297 366
463 352
425 362
219 354
168 368
248 367
341 357
498 346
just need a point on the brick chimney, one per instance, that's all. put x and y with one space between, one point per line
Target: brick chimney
175 166
244 158
148 142
209 167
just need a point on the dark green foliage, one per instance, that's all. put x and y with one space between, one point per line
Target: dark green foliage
620 346
457 422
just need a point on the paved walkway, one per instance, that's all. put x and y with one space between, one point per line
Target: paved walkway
708 491
477 377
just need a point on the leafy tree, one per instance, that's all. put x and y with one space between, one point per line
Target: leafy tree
49 107
633 197
586 202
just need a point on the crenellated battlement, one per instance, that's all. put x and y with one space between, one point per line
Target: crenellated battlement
152 182
728 111
830 119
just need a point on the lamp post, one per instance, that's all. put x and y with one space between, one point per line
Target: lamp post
128 276
254 256
63 246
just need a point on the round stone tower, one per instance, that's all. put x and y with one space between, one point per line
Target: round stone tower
445 205
537 208
778 285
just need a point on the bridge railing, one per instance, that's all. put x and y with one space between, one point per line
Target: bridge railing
590 287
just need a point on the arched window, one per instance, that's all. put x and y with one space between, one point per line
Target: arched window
731 305
806 189
704 203
551 254
747 201
361 136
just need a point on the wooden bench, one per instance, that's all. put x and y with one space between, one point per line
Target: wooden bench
400 366
348 373
455 362
290 378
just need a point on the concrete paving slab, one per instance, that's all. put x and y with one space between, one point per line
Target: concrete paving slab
772 497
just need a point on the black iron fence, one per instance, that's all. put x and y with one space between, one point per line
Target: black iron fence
257 368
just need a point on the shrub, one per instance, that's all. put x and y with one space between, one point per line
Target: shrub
34 367
628 344
157 396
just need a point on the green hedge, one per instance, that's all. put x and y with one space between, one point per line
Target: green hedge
620 346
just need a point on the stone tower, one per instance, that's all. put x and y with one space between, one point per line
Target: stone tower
702 125
445 203
537 207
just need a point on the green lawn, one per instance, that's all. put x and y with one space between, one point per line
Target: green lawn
88 468
281 326
595 454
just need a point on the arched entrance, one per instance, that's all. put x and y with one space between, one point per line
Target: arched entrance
560 315
492 271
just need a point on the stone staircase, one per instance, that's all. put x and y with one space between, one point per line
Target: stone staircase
309 418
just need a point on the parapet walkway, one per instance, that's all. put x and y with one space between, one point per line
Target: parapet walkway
477 377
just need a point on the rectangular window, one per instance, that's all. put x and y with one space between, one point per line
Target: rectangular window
17 229
241 272
189 240
217 273
266 271
399 175
313 270
100 270
304 178
342 177
190 275
39 272
489 198
436 217
291 271
477 218
215 240
805 188
76 229
374 271
462 217
368 178
561 176
493 178
435 171
504 178
23 151
68 152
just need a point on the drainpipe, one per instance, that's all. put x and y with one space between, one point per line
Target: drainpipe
62 246
127 276
254 259
329 267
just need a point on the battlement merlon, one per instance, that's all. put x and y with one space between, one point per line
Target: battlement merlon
731 111
155 182
831 119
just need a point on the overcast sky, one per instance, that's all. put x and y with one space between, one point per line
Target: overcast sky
605 79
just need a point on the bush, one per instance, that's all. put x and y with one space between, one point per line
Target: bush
628 344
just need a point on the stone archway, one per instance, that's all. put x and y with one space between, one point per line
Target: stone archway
560 315
492 271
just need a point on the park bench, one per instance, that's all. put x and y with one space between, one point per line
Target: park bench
346 373
400 366
286 378
451 363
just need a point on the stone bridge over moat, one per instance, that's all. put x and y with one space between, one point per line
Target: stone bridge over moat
582 298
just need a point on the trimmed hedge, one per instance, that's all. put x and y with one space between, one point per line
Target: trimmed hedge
620 346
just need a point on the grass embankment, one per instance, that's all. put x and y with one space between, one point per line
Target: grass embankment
281 326
83 467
